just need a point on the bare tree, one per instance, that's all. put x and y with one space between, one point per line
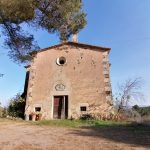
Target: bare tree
128 92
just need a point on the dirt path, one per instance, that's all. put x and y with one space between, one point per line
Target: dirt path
22 136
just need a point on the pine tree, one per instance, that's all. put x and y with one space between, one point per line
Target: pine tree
64 17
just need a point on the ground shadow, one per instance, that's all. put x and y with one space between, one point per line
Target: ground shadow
133 134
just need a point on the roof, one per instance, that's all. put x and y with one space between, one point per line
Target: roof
73 44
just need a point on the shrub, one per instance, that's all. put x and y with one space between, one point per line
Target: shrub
16 107
86 117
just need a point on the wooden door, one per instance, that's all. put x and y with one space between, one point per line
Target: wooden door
59 112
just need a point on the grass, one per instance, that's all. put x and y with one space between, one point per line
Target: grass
62 123
78 123
97 124
85 123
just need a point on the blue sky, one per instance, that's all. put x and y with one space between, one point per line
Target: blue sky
124 26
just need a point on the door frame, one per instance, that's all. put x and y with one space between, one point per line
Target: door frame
52 113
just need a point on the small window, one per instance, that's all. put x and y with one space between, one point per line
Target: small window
37 109
83 108
61 61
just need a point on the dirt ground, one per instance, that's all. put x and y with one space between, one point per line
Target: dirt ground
23 136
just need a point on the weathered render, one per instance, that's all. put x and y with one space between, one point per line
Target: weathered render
68 80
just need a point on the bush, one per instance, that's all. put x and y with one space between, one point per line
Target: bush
86 117
143 111
16 107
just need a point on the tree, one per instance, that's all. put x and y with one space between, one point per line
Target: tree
136 107
127 92
64 17
143 111
16 107
3 111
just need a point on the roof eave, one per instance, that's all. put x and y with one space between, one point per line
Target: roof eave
34 53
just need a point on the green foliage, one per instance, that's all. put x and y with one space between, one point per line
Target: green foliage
78 123
64 17
16 107
15 11
74 123
3 112
143 111
136 107
61 123
86 117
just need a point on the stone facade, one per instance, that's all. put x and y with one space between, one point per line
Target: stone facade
66 80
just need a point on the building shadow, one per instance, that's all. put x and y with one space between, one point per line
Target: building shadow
133 134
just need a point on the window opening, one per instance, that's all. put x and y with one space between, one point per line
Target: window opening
37 109
83 108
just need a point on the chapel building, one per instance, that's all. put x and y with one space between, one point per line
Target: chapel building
67 81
